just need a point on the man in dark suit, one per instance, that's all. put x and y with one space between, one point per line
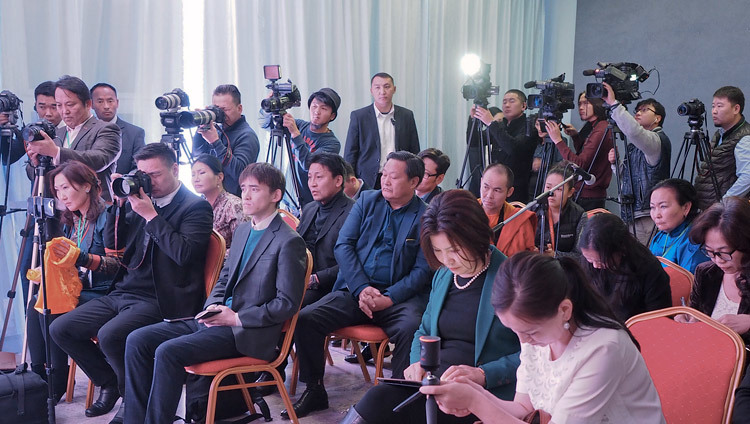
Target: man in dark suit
83 138
436 164
353 186
322 220
234 143
383 277
161 277
105 104
259 288
377 130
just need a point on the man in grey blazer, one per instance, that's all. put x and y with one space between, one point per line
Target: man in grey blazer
83 138
259 288
105 104
379 129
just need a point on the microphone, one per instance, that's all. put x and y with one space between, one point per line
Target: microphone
589 72
588 179
530 84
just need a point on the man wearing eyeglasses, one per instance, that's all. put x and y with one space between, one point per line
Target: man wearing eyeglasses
646 161
436 164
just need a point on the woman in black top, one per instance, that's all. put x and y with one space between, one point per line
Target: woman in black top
626 273
563 219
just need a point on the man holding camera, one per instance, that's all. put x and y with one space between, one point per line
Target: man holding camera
646 162
233 141
730 149
84 138
105 104
310 137
379 129
163 239
510 145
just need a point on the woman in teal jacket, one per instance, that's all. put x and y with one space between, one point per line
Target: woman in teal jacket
456 237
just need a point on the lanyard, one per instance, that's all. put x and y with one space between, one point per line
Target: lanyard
81 231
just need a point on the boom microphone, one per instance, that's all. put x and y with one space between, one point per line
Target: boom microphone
588 179
530 84
589 72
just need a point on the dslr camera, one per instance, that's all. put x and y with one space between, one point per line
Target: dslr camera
694 110
131 184
285 95
170 103
624 77
33 132
9 102
556 98
479 88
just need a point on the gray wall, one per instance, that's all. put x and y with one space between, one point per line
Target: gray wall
697 46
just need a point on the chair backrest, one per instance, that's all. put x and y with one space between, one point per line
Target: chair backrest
291 323
695 367
680 280
289 218
215 252
595 211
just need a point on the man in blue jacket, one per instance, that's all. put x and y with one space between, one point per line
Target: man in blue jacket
383 277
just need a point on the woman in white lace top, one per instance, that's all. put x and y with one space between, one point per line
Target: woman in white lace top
578 363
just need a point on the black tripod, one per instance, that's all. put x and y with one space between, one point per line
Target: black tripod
281 139
548 155
478 133
626 201
429 360
176 140
698 139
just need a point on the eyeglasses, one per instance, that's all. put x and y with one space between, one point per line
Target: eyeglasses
644 109
428 175
724 256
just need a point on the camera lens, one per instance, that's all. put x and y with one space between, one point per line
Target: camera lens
124 186
31 133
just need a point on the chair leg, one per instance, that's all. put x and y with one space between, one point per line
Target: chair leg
245 393
89 394
379 359
361 360
295 374
284 396
71 381
213 393
327 350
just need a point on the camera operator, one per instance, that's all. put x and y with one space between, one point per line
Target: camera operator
233 142
730 149
647 158
105 104
164 244
310 137
510 145
84 138
592 148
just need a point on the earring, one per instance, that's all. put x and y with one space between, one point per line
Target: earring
87 190
566 325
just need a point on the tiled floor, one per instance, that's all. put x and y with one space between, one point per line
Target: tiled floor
344 383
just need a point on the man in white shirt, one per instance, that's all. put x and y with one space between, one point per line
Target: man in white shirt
379 129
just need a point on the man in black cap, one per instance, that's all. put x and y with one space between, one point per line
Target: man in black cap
310 137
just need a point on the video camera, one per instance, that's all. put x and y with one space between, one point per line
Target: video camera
33 132
171 103
556 97
479 88
131 184
624 77
9 102
285 95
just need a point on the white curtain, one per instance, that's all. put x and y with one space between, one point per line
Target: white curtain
147 47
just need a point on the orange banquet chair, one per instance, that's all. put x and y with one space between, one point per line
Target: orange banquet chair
595 211
695 367
215 252
289 218
680 281
223 368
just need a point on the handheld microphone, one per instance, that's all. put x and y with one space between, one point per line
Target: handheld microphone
589 72
587 178
429 360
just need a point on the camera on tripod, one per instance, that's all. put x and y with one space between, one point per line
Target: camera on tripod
285 95
170 103
623 77
132 183
556 97
9 102
478 87
33 132
694 110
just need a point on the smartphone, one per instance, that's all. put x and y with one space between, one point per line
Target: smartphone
207 313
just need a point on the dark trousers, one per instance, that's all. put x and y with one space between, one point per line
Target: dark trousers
110 318
588 203
376 407
155 366
37 338
340 309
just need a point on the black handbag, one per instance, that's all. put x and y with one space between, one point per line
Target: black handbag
23 398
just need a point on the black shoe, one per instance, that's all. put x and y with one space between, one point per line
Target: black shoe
336 343
266 376
107 398
366 355
314 398
119 417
